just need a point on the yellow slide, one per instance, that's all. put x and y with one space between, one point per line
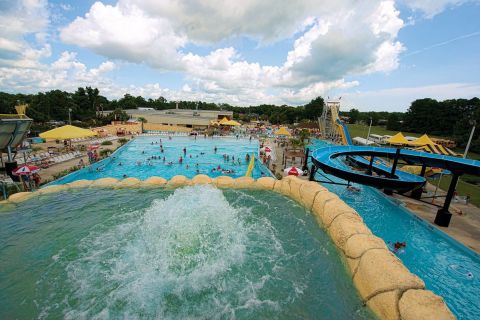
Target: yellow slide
342 134
250 166
338 126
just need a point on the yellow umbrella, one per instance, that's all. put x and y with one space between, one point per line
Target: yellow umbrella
67 132
282 132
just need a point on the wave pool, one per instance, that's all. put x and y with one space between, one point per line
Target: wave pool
196 252
144 157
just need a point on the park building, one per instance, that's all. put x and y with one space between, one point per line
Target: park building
189 118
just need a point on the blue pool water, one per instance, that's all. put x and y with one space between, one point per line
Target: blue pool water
447 267
132 159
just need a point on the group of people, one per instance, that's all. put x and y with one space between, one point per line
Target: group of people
92 156
226 158
182 159
27 181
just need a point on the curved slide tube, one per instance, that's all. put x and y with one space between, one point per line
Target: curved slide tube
325 159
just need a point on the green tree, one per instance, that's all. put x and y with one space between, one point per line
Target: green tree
304 136
393 122
314 108
142 120
354 115
118 115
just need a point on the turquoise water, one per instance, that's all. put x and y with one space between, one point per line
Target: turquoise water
135 159
447 267
196 252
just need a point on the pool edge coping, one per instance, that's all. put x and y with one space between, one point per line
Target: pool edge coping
383 282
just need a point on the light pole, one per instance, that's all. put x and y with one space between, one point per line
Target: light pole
369 128
69 116
469 139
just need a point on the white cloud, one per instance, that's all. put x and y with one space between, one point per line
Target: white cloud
430 8
333 39
66 73
126 32
17 19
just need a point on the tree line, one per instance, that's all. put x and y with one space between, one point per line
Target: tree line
85 103
450 118
453 118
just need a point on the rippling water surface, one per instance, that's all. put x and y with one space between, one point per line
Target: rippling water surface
197 252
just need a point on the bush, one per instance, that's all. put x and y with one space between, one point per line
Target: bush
105 153
107 143
122 141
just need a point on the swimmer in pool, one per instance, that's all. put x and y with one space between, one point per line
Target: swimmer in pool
398 246
353 189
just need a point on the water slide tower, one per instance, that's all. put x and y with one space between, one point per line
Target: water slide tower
326 122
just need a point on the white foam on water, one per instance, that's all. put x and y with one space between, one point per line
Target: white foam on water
186 256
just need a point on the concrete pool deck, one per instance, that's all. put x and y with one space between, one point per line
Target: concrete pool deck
386 286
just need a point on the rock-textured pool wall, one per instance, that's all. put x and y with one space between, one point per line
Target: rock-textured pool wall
388 288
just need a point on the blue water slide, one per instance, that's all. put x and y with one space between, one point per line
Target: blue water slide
327 160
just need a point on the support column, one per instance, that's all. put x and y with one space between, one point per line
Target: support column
443 215
417 193
395 162
370 165
313 170
305 160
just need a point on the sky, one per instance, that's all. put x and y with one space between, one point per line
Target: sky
375 55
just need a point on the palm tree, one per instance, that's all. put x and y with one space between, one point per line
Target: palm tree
304 135
142 120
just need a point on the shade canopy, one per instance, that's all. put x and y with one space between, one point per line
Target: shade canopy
67 132
422 141
437 149
223 121
232 123
282 132
399 138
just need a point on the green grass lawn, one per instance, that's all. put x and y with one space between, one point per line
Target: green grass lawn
361 130
463 188
467 184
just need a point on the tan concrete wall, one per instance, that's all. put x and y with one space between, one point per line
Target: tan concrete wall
387 287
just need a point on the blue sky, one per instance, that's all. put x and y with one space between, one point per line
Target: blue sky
376 55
